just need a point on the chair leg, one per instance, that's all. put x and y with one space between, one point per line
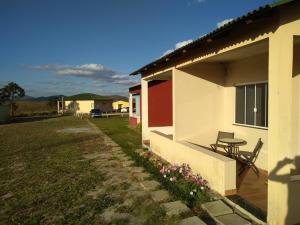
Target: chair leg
213 148
255 169
242 169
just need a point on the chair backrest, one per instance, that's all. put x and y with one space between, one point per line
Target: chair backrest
223 134
256 151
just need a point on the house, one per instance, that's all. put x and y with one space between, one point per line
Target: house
85 102
120 104
243 77
135 105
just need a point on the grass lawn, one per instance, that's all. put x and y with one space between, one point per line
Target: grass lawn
52 177
117 128
130 139
42 177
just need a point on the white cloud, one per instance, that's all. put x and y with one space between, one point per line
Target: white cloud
182 43
199 1
189 3
224 22
167 52
89 71
177 45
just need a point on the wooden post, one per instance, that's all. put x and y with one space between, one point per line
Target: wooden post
62 105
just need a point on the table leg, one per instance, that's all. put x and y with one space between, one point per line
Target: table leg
230 148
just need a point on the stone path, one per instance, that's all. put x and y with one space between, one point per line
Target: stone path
135 197
138 199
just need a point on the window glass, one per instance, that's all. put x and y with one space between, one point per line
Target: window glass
133 105
261 105
240 105
250 104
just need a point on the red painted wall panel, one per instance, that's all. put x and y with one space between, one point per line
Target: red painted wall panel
133 121
160 103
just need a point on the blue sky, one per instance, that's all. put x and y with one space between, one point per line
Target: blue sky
71 46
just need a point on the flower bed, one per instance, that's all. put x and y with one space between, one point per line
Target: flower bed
178 179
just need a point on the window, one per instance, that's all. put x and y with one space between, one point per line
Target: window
251 104
133 105
136 105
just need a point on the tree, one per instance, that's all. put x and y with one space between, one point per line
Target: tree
3 96
52 101
9 92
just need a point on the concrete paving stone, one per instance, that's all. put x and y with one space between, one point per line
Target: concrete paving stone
122 158
136 169
137 194
112 144
110 215
150 185
217 208
141 176
160 196
232 219
92 156
175 208
119 174
110 163
128 202
127 163
114 181
194 220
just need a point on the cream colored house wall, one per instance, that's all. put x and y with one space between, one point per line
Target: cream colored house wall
249 70
144 91
84 106
282 137
197 102
67 105
283 194
130 105
205 102
116 104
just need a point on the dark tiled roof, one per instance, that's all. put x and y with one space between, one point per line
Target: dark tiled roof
86 96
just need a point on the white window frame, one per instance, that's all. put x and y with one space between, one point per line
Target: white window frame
244 124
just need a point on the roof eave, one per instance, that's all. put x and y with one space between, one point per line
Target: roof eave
250 15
